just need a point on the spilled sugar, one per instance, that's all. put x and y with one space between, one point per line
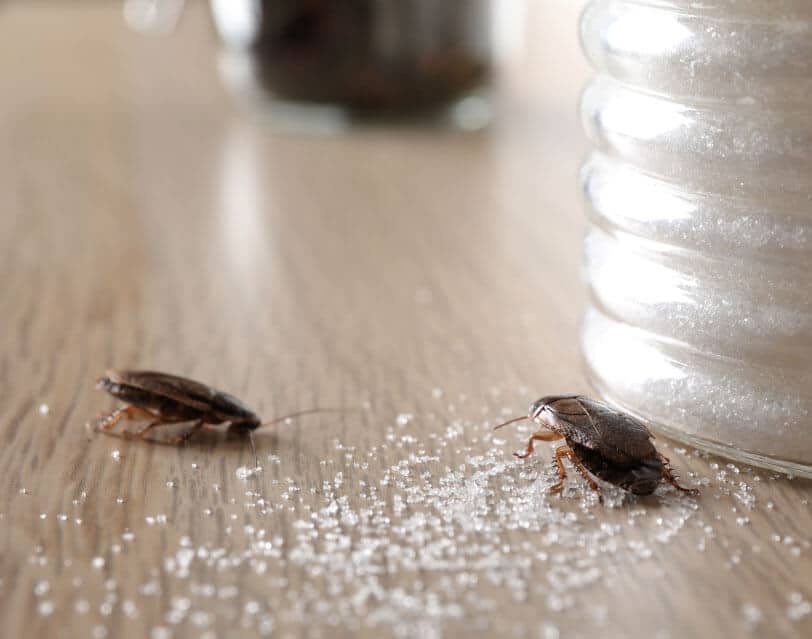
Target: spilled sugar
452 523
245 472
798 607
752 616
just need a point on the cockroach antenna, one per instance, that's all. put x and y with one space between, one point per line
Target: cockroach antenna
309 411
512 421
253 450
277 420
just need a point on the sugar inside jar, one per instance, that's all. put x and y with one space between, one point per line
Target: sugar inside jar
699 197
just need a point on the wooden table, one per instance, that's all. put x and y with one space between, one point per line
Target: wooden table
430 278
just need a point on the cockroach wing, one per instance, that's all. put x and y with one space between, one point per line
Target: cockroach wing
624 439
180 389
618 437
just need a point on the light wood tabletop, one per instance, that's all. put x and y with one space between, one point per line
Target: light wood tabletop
425 280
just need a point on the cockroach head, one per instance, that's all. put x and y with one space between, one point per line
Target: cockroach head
231 409
247 424
537 407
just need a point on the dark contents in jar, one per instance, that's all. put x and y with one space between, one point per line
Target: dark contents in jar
373 55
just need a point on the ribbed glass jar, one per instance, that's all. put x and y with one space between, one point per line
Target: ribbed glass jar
699 196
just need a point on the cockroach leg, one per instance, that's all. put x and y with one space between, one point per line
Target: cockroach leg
566 451
542 436
562 451
176 441
162 421
127 412
671 478
584 472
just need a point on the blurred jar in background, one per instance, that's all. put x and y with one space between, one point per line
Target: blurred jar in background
327 63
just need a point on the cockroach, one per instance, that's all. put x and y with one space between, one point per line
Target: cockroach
165 399
600 441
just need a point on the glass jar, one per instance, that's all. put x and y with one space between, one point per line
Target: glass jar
699 197
360 59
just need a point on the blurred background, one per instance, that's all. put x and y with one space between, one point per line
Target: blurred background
159 136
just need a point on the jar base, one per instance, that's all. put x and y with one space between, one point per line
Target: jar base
793 469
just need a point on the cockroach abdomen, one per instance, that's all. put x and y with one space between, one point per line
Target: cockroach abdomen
644 479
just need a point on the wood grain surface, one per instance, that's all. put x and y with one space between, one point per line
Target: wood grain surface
428 279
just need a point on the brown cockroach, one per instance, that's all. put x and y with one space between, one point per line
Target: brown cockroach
166 399
601 441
